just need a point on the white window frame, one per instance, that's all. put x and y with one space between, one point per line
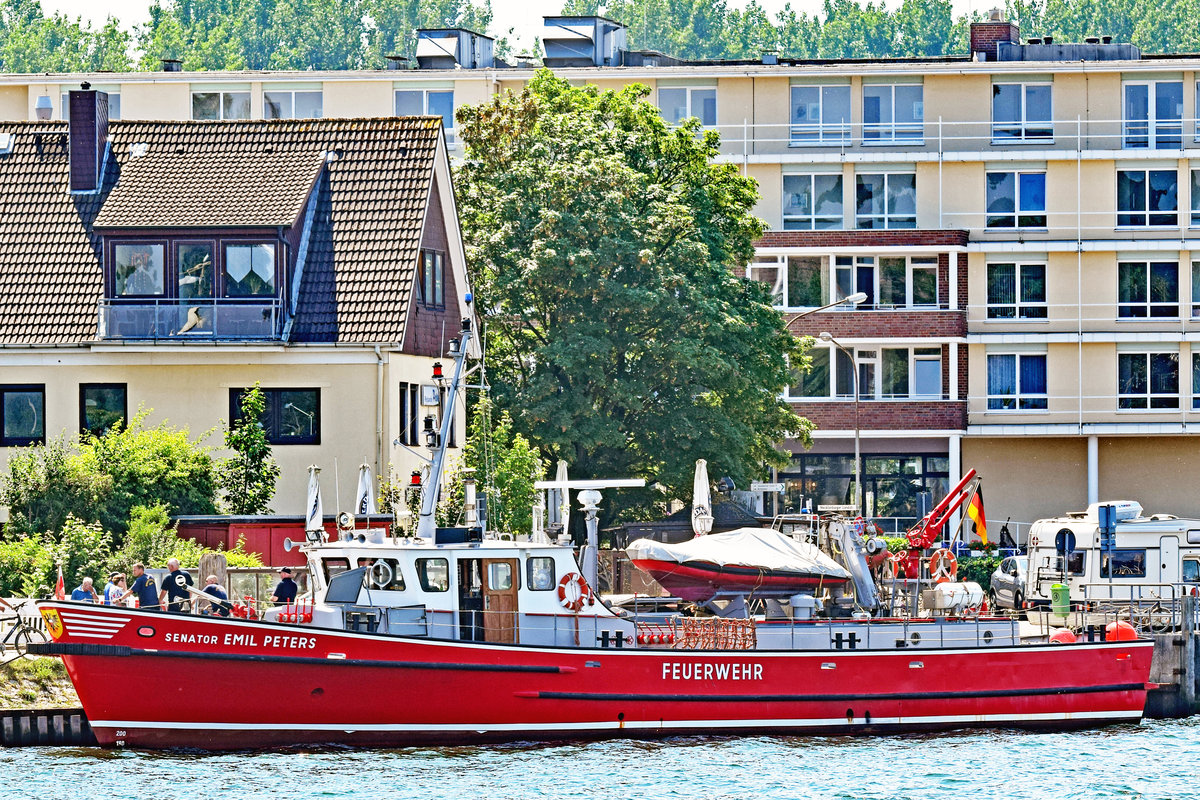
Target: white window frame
689 103
826 132
891 220
890 131
221 102
114 103
1023 129
425 92
1196 379
1017 212
1020 401
1169 401
853 264
1145 212
1019 306
1151 129
292 93
815 221
1127 310
911 358
1194 220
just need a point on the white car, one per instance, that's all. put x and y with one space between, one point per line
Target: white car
1008 583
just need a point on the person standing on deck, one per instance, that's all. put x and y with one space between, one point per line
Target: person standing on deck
285 590
143 588
174 594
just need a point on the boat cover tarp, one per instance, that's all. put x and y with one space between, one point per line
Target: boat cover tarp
764 548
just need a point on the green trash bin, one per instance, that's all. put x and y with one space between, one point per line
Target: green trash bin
1060 599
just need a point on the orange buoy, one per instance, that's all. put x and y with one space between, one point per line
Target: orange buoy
1119 631
1063 636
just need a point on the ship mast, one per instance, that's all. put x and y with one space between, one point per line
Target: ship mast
426 525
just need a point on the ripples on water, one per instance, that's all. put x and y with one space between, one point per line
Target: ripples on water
1156 759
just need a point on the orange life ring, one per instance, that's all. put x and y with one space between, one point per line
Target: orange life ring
573 592
943 566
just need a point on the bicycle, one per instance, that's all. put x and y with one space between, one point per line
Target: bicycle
20 635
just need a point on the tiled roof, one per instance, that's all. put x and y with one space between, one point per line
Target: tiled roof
171 190
363 245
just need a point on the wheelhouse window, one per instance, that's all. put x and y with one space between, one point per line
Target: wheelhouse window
541 573
886 200
812 202
893 112
1016 199
500 576
215 105
1022 112
292 416
101 406
1147 289
249 270
433 574
1148 380
1016 382
383 574
433 279
677 103
820 115
1016 291
138 269
24 409
293 104
1147 197
1153 115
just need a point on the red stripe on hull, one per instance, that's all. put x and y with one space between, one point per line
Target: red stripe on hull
170 690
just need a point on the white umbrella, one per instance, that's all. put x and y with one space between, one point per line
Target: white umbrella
365 502
702 518
563 496
315 520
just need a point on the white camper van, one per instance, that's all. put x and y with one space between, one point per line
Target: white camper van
1155 558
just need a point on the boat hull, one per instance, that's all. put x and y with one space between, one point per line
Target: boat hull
152 680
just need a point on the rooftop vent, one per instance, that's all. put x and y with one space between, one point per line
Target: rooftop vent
454 48
1092 40
172 65
770 58
583 42
1033 40
396 62
6 143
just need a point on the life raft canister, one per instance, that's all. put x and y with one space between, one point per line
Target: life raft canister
573 592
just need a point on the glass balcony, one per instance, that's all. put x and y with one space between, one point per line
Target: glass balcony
191 320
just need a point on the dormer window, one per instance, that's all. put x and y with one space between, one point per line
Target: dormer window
139 269
194 262
249 270
433 279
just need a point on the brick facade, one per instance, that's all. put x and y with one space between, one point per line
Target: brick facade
928 239
900 415
986 35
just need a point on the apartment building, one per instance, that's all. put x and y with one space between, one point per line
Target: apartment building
1021 222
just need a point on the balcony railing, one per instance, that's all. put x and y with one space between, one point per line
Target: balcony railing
190 320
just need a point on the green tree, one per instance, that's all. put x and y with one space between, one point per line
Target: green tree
606 244
83 549
32 42
247 478
506 465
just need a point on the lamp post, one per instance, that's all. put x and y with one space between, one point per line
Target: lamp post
854 299
826 336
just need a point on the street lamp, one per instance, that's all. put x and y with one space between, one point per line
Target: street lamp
854 299
826 336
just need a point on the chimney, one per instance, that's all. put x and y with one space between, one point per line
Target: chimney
88 128
986 35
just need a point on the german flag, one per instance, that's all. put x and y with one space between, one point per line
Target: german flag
975 512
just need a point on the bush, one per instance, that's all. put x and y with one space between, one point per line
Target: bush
153 541
24 565
83 550
978 569
896 544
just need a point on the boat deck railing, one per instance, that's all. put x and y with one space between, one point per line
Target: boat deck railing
1149 607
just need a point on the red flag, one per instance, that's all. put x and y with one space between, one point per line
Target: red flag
60 592
975 512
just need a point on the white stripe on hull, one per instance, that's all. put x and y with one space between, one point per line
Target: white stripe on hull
609 725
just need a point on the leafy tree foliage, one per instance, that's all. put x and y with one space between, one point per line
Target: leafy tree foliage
247 479
101 479
32 42
604 245
506 466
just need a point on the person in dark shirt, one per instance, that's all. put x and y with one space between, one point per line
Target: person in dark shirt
285 590
174 595
219 605
144 589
